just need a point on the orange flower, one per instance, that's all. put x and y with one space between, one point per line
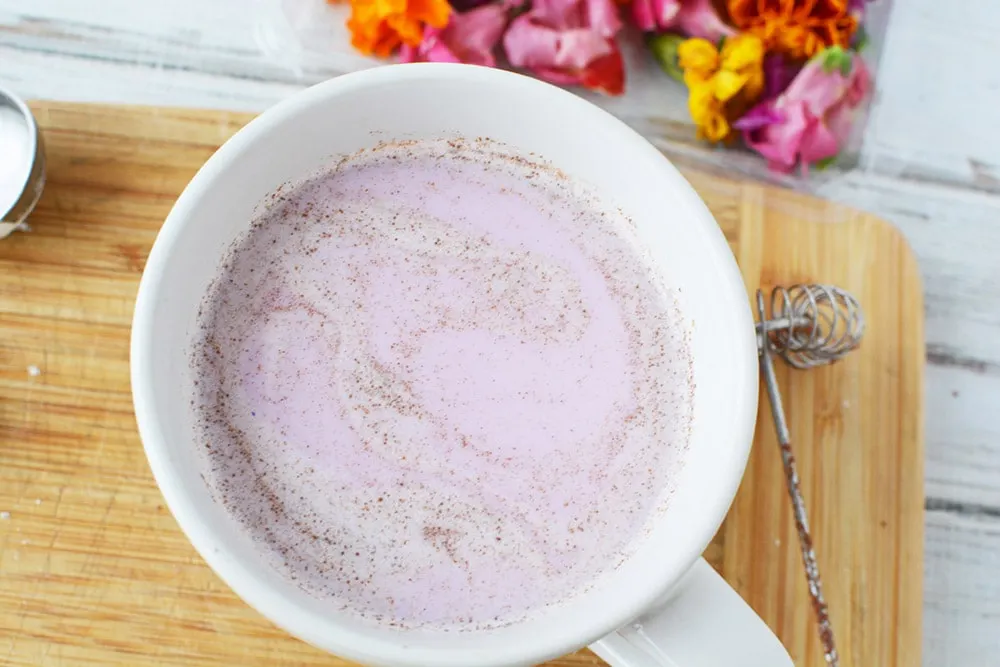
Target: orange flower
379 26
797 28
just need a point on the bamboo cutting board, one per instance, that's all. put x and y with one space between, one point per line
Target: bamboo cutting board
94 570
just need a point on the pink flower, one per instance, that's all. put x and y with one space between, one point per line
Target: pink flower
694 18
569 42
812 119
469 37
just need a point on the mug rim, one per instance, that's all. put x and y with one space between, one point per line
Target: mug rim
244 581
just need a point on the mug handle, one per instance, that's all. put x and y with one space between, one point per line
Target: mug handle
702 622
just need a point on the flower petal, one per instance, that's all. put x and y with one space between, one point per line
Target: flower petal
466 5
780 142
559 77
760 116
602 17
696 78
715 127
655 15
529 44
698 18
698 55
605 74
778 73
409 29
579 48
702 103
432 12
472 35
642 15
818 143
742 51
816 87
410 54
568 42
558 14
727 84
860 84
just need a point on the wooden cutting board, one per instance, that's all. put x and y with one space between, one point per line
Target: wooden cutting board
94 570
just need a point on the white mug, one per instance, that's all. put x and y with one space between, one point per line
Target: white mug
664 606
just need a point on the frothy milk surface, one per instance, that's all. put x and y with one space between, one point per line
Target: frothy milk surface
440 385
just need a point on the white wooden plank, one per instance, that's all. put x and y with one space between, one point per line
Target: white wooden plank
961 591
938 92
962 437
956 237
31 75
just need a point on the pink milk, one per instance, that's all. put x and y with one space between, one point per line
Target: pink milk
441 385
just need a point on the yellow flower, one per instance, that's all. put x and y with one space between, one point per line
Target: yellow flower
707 113
701 103
721 85
716 128
744 54
699 59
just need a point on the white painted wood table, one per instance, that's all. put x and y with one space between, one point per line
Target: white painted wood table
930 164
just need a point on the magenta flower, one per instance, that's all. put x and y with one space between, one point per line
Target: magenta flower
812 119
778 74
470 37
694 18
569 42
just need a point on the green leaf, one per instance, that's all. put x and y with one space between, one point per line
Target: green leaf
664 48
825 163
836 58
829 61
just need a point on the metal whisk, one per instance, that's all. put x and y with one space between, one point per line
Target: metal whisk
810 325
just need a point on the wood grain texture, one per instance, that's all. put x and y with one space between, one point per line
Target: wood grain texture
93 569
930 166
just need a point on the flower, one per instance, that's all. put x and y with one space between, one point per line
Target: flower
469 37
569 42
811 120
379 26
798 28
721 84
708 113
466 5
694 18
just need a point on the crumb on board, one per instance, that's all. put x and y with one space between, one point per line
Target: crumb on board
4 515
34 371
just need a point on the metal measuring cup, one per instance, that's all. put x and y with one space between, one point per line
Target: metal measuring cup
26 169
